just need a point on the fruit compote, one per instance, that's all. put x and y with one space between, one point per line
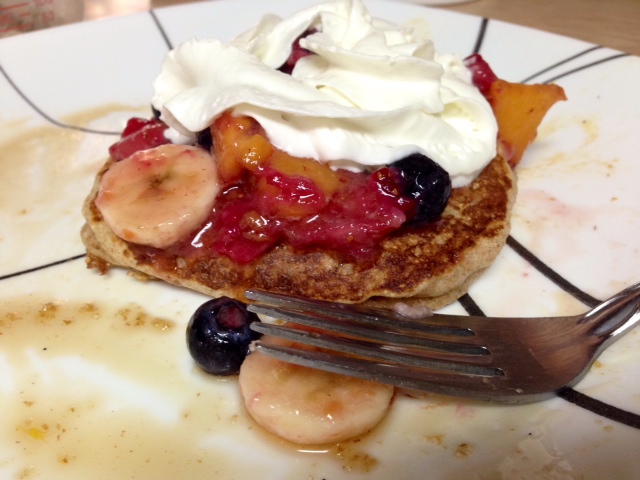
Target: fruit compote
269 197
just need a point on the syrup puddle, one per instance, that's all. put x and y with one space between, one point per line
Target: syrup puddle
91 388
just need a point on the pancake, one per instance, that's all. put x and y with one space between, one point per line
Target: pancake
431 265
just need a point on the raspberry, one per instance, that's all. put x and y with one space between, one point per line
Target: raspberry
482 75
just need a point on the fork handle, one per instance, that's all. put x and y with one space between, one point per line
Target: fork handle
617 315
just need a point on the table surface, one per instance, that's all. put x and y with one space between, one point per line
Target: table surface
611 23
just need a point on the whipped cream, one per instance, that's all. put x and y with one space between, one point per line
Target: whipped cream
371 94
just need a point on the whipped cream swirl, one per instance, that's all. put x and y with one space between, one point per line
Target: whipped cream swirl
370 94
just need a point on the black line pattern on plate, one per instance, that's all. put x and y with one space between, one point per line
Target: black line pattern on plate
156 20
569 394
588 65
484 25
601 408
45 115
551 274
480 35
470 306
562 62
42 267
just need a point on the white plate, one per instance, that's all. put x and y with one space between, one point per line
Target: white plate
95 379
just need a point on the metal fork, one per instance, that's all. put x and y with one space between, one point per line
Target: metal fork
512 360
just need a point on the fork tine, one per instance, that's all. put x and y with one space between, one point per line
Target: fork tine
373 316
447 383
364 330
381 352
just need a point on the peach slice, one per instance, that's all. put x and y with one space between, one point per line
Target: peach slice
519 109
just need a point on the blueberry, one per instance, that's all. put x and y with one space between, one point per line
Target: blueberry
204 139
218 335
427 183
156 112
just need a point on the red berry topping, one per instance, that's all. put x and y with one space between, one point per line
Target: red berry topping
481 73
297 52
138 134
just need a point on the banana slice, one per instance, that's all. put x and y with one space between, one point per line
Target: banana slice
308 406
157 196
